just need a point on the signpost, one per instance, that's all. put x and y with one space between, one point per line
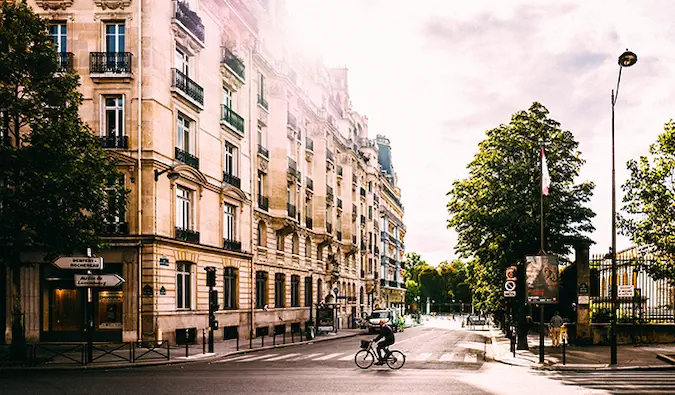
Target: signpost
98 280
510 284
79 263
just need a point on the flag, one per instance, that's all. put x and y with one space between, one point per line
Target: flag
545 177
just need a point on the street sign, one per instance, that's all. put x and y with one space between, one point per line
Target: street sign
583 299
626 291
511 273
510 285
509 294
79 263
98 280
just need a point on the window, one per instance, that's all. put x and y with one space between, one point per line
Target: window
295 244
182 62
183 285
308 292
183 208
230 288
114 115
308 247
370 186
370 212
226 97
229 231
59 33
295 291
114 37
261 137
262 234
281 241
184 137
117 213
279 289
261 85
260 289
319 285
319 253
230 159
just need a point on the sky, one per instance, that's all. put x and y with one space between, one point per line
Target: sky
434 75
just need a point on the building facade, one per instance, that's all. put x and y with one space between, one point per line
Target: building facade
241 153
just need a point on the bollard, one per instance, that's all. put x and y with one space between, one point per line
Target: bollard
485 350
300 336
203 341
262 341
292 337
237 341
284 336
186 349
274 338
563 350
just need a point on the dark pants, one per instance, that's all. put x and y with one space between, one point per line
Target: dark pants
381 345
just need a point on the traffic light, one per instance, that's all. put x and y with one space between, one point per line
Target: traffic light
210 276
213 300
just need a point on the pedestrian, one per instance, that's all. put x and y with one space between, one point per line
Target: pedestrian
556 324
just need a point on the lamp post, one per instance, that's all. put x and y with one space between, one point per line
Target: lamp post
626 59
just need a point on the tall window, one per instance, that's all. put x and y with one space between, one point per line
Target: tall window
183 208
319 285
183 285
370 212
230 159
183 139
262 234
229 231
281 242
261 136
261 85
114 115
230 288
226 97
115 37
59 34
308 292
115 216
279 289
295 291
182 61
261 184
260 289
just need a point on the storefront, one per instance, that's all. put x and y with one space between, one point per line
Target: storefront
64 306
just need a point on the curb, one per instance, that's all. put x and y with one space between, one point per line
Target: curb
193 359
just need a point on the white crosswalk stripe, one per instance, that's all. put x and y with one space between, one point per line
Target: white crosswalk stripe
349 357
257 357
621 382
471 358
421 357
448 357
233 359
327 357
308 356
280 357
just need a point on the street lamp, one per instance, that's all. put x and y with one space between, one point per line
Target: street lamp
626 59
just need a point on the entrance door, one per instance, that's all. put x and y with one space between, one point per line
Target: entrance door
66 310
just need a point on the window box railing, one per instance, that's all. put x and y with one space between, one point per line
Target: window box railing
329 194
234 63
115 228
329 227
291 210
64 61
232 245
187 158
339 203
339 235
309 144
190 19
231 117
192 89
329 155
309 183
232 179
187 235
309 222
110 62
263 202
292 167
263 151
263 103
115 141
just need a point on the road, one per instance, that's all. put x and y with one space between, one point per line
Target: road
442 358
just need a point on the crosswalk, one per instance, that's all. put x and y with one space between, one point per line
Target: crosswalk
620 382
467 356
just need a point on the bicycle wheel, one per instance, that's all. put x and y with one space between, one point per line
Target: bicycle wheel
396 360
364 359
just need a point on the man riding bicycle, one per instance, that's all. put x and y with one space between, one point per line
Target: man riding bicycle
388 334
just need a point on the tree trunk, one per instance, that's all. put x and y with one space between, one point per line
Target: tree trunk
18 347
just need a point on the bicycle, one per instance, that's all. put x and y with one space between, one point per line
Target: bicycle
365 357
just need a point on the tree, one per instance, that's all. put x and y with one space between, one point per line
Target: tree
649 210
58 185
412 292
495 210
413 265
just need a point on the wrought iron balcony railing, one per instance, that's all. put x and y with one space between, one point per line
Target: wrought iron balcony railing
363 220
339 171
110 62
234 63
293 167
188 235
187 158
230 116
363 192
263 202
188 86
263 151
115 142
64 62
190 19
232 245
231 179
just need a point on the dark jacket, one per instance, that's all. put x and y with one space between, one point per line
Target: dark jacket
386 332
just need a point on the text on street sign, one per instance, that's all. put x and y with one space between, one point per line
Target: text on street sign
98 280
79 263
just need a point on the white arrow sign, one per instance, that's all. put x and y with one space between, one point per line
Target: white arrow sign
98 280
79 263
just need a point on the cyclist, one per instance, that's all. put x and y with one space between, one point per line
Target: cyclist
388 334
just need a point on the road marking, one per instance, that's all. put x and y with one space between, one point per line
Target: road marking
233 359
447 357
258 357
472 358
279 358
349 357
306 356
326 357
422 357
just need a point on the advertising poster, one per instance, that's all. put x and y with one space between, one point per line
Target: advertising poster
542 279
325 319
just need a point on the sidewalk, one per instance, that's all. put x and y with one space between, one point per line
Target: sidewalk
67 357
587 358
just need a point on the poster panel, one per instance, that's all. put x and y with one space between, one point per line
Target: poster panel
542 279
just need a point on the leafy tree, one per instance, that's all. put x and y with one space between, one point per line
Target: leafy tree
52 170
649 210
413 265
412 292
496 209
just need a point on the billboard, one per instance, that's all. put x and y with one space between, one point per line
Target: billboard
541 279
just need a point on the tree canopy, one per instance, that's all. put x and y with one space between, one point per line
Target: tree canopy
442 284
495 210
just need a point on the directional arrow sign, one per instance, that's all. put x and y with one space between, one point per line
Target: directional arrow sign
79 262
98 280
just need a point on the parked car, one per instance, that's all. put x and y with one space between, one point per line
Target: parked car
390 317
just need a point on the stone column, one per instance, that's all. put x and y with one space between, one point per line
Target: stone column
583 332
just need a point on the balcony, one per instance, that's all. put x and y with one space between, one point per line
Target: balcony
339 171
192 90
309 222
329 228
383 282
309 183
263 103
392 284
262 151
187 158
329 193
115 228
187 235
231 119
339 235
363 220
354 239
291 122
377 250
309 144
329 155
232 245
293 168
401 285
235 64
291 210
363 192
190 20
354 184
353 209
115 142
64 62
110 64
263 202
376 199
231 179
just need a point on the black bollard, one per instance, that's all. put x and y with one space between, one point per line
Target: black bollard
563 350
292 337
203 341
237 341
274 338
186 349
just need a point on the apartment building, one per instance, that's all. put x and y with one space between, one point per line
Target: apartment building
241 153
